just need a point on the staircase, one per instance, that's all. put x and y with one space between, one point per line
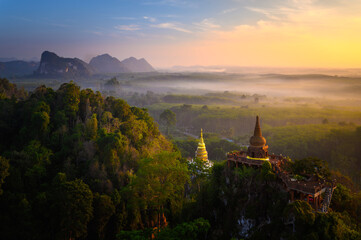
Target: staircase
327 199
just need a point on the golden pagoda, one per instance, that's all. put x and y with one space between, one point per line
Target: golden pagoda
201 152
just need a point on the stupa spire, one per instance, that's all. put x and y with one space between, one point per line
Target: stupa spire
257 129
201 152
257 148
257 139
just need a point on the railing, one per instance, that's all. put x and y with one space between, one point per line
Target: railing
243 159
328 197
276 161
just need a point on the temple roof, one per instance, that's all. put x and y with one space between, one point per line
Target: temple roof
257 139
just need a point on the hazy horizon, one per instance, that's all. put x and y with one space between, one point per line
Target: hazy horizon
221 68
291 33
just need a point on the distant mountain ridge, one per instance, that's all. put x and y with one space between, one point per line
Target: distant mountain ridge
8 59
17 68
52 65
137 65
55 66
107 64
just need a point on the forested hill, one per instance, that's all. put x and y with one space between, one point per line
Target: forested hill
76 165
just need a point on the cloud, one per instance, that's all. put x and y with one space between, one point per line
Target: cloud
150 19
207 24
296 34
270 14
170 16
131 27
228 10
304 36
172 26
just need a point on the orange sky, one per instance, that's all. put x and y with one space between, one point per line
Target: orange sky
268 33
311 37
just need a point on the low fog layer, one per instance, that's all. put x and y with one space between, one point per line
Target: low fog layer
272 85
349 72
335 90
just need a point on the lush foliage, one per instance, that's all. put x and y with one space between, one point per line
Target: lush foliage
251 204
297 131
74 164
4 171
168 118
196 229
339 146
9 90
77 165
113 82
308 167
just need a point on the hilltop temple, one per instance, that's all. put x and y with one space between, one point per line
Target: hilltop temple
317 193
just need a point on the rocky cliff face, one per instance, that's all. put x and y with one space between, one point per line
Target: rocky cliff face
54 66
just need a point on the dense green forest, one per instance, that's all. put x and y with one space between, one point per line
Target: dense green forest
77 165
340 146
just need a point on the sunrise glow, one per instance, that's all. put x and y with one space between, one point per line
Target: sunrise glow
290 33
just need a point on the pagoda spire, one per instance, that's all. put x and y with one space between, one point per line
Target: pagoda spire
257 139
201 152
257 129
257 148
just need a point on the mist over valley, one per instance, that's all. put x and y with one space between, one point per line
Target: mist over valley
180 119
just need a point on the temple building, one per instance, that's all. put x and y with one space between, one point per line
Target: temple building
317 192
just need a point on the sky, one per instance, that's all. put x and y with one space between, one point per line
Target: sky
265 33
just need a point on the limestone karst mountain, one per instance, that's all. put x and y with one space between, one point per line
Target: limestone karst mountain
52 65
137 65
107 64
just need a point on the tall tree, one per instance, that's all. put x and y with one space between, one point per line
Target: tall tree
91 127
73 208
103 210
4 171
70 97
168 118
160 180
